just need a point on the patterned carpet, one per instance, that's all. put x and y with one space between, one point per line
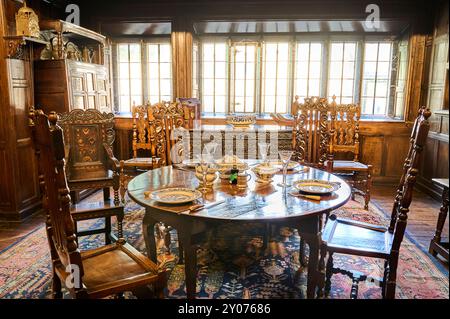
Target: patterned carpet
234 265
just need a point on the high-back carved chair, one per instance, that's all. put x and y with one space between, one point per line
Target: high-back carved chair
345 139
95 273
194 108
144 139
89 137
90 164
172 117
311 131
343 236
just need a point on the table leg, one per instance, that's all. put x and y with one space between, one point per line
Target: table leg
441 222
148 230
310 231
190 262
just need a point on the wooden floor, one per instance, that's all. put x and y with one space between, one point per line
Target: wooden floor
421 223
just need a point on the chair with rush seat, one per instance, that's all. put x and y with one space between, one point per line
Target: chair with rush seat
342 236
96 273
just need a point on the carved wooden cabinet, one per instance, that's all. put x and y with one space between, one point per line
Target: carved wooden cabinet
77 76
65 85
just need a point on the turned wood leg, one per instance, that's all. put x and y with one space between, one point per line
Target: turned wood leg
75 228
148 230
329 274
368 188
190 264
180 251
106 194
385 275
167 239
354 183
441 222
56 287
323 254
268 235
302 254
120 218
313 267
108 230
390 284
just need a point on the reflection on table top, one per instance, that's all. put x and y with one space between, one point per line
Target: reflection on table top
256 202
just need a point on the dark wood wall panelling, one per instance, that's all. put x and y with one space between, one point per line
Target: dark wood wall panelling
436 164
19 189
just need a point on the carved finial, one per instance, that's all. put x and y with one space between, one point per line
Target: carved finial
31 115
53 118
426 112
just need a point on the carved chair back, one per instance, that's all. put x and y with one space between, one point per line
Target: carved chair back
174 118
311 131
145 131
85 134
410 171
345 129
49 146
193 109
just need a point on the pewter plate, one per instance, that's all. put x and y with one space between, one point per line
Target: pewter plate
174 196
316 187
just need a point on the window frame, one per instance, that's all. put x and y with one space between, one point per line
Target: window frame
143 42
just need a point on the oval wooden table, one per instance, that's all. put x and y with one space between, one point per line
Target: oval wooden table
268 204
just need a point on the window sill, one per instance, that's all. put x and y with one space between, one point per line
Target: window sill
219 119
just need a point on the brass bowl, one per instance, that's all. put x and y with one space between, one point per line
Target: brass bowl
265 173
241 120
211 176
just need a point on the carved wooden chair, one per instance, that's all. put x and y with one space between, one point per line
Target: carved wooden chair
144 139
194 107
311 132
174 118
344 236
95 273
345 139
90 164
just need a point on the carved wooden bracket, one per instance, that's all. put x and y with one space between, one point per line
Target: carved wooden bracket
15 48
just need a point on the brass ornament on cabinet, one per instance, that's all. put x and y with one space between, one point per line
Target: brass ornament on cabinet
27 22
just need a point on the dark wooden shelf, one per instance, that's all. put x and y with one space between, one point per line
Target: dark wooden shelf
15 45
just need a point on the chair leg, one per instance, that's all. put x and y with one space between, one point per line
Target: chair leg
106 194
391 277
368 188
180 252
329 274
167 239
302 256
56 287
354 183
383 284
107 230
120 218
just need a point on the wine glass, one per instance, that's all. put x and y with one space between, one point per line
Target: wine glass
264 149
285 157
